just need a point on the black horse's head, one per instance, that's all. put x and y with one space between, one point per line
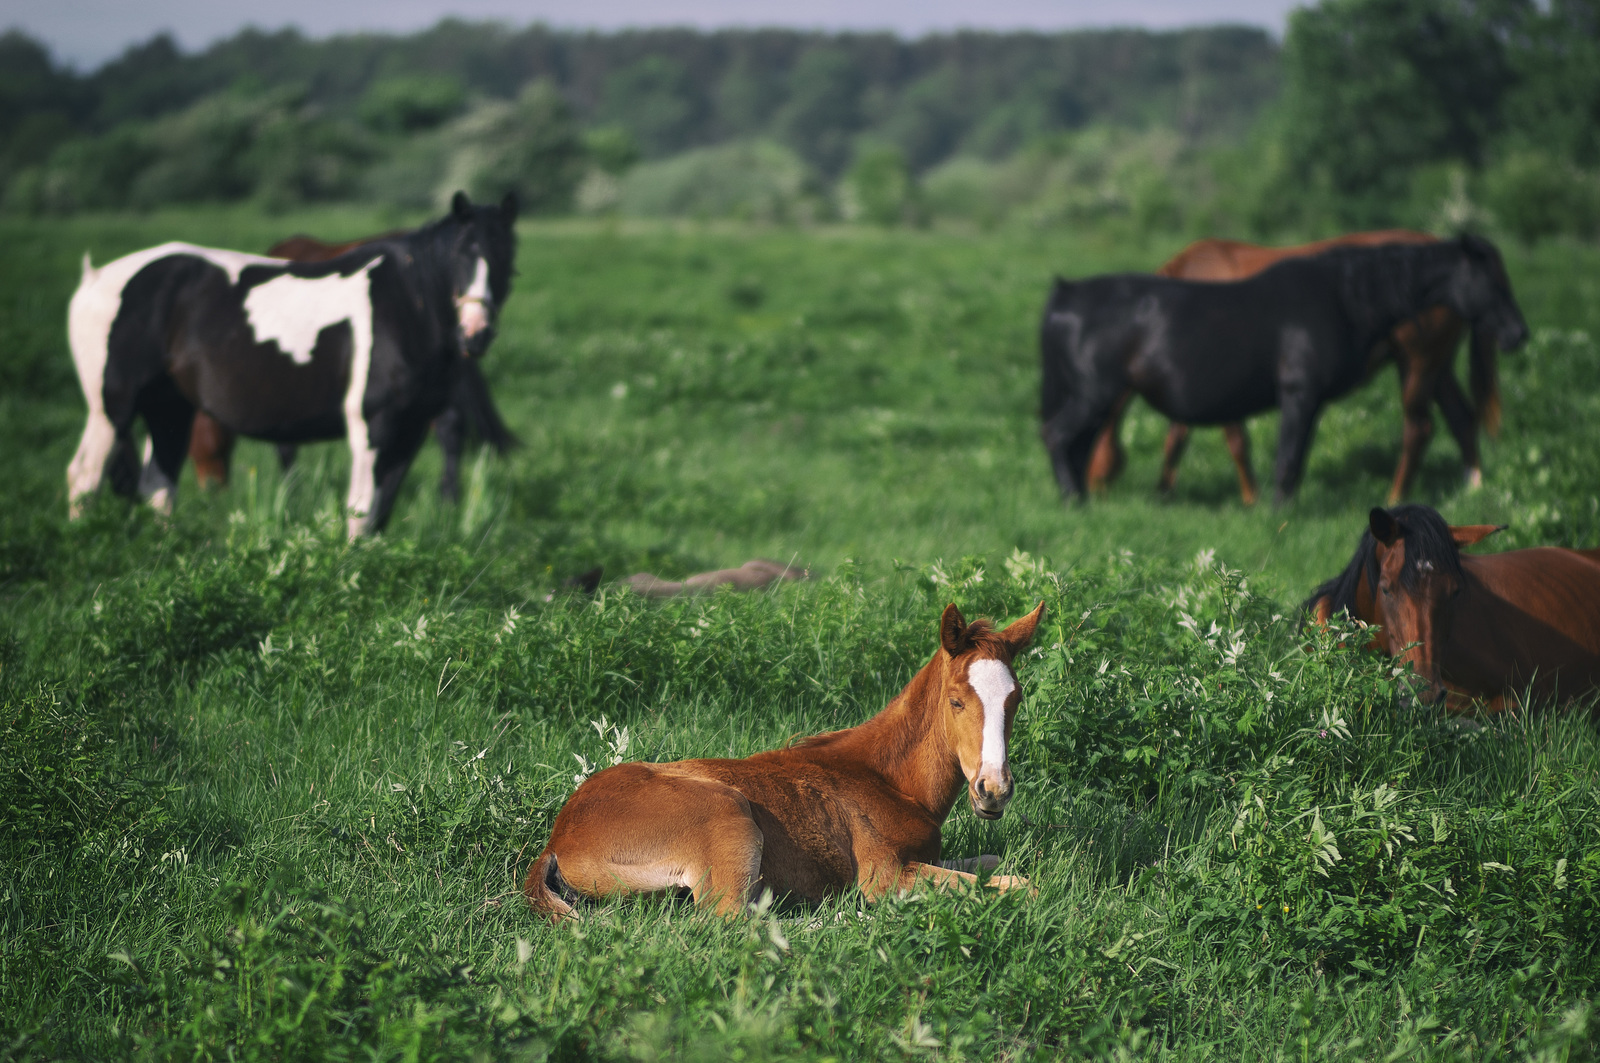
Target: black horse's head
1481 292
482 246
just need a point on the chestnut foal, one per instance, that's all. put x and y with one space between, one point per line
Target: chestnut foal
862 806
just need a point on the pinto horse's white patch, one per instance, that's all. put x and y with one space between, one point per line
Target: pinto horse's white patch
292 311
993 683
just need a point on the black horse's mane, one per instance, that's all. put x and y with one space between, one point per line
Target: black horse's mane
1428 540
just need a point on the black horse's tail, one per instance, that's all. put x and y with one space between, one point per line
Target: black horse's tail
471 397
1483 354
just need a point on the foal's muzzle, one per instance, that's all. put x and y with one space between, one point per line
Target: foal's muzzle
989 796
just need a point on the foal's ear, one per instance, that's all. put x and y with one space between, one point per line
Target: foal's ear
1469 534
508 208
952 630
1385 528
1020 632
461 206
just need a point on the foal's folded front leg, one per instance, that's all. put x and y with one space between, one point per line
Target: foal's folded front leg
914 874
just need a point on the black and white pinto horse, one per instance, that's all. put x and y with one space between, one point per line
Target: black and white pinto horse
364 346
1294 336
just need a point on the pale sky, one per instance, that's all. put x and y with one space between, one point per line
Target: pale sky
88 32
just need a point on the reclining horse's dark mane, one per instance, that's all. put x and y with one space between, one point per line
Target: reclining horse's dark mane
1428 539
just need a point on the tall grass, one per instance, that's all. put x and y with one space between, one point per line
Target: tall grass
269 794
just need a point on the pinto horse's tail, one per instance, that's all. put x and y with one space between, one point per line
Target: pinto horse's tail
471 397
546 889
1485 381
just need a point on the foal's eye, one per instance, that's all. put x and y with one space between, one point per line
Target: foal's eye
955 703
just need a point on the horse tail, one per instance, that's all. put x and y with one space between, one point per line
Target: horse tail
544 888
471 397
1485 381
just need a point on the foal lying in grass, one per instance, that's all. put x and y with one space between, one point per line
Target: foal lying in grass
859 806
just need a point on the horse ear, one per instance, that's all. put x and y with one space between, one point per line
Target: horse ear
1471 534
1020 632
1384 527
508 207
461 206
952 630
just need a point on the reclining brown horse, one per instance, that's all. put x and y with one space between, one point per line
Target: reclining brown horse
860 807
1477 630
211 444
1424 349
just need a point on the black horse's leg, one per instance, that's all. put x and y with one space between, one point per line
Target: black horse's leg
287 452
1108 459
450 427
1298 424
1069 438
1171 454
1462 421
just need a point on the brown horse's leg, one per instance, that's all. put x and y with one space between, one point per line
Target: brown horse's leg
633 831
1238 437
1108 458
1177 441
1416 399
211 450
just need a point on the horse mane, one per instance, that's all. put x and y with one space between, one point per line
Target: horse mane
1341 589
1428 542
1428 539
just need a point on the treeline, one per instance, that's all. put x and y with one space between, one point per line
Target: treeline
1435 113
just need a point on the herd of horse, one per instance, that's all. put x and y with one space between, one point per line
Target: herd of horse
377 340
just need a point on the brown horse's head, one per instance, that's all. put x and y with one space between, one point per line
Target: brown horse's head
979 699
1418 560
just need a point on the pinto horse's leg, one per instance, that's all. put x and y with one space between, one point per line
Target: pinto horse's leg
450 429
89 463
170 419
1462 420
634 830
389 467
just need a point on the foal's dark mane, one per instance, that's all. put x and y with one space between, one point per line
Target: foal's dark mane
1428 539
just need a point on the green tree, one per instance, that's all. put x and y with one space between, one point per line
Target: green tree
531 147
657 101
823 112
1376 88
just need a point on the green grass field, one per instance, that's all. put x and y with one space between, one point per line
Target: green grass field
269 795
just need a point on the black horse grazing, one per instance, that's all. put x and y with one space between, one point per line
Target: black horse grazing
1294 336
367 346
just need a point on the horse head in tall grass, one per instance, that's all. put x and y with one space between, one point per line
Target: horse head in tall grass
859 807
1477 631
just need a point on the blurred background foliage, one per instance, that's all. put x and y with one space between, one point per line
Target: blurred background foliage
1441 114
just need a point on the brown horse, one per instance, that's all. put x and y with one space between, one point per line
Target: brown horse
1481 630
861 807
1423 348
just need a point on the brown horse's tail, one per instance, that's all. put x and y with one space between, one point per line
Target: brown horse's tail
544 888
1485 381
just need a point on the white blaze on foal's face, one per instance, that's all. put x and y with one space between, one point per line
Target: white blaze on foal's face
994 684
